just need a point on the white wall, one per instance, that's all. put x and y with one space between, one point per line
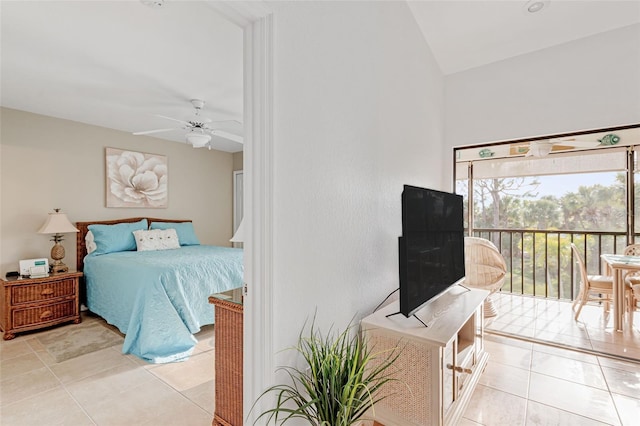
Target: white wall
585 84
49 163
358 113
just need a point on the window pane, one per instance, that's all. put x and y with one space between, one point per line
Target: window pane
585 201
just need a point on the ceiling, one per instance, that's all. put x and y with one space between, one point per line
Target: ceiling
468 34
119 64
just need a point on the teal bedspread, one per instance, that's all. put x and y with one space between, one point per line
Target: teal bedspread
159 299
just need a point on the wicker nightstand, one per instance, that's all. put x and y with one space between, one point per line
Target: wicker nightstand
228 368
33 303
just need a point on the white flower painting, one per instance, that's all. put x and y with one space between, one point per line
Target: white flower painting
136 179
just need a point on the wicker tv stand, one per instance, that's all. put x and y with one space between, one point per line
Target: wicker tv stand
228 363
439 366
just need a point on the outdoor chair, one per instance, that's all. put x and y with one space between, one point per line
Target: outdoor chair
632 279
485 268
593 288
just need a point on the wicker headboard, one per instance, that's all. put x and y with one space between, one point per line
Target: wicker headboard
83 227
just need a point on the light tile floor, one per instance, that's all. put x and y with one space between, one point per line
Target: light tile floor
529 383
104 387
524 383
574 381
553 321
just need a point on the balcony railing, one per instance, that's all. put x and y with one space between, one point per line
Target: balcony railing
541 263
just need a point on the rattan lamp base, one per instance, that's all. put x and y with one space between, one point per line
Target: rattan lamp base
57 254
56 269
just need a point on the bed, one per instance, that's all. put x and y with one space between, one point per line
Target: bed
158 298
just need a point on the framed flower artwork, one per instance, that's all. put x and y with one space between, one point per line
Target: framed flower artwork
136 179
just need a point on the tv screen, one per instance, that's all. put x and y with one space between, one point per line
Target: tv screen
431 248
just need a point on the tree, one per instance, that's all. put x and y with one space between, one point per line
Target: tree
491 194
539 262
542 213
594 208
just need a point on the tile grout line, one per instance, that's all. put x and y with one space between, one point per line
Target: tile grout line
506 301
563 346
595 353
613 401
64 387
568 380
61 385
47 363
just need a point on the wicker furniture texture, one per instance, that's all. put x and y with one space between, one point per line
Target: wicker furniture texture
593 288
636 293
620 294
485 268
30 304
228 363
439 366
632 279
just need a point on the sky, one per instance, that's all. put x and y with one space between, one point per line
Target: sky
559 185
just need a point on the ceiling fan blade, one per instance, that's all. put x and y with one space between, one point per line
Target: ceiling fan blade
584 144
576 143
186 123
149 132
228 121
558 147
228 129
224 124
226 135
518 149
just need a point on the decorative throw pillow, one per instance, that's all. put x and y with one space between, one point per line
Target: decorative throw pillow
156 239
90 243
186 233
118 237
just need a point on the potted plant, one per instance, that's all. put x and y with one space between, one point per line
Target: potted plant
338 383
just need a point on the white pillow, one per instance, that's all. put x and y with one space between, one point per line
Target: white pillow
90 242
156 239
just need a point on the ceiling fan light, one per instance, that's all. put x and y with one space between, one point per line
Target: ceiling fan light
198 140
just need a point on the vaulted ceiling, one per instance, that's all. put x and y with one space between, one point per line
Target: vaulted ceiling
120 64
468 34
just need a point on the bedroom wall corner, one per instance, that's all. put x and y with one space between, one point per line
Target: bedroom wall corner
49 163
238 161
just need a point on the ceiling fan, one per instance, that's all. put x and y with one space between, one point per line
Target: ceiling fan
543 148
199 128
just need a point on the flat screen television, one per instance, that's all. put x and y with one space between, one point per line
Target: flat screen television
431 248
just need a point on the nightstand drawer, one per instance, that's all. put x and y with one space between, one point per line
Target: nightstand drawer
33 303
40 292
42 314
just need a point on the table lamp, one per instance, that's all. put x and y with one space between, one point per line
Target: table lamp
57 224
238 237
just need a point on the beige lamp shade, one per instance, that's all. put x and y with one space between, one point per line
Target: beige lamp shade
57 223
238 237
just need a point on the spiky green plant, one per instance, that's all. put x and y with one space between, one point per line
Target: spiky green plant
337 385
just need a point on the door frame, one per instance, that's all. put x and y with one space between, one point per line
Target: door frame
256 20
